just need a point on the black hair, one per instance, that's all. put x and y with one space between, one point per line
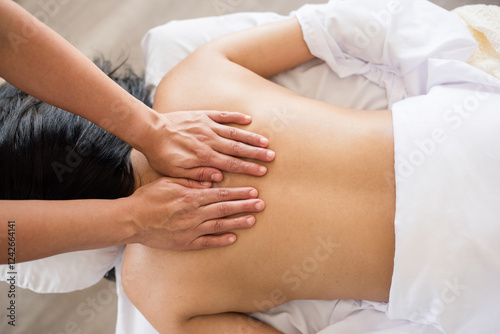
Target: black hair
49 154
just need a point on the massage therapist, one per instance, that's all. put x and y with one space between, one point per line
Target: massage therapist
173 213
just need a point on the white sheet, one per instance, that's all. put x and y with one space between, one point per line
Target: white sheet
64 272
446 268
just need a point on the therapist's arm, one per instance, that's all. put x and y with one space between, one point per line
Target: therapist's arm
193 145
171 214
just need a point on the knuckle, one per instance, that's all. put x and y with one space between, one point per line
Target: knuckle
223 193
181 224
188 206
237 147
218 225
189 216
232 133
203 154
233 165
179 242
203 174
205 243
183 243
203 138
201 115
164 183
223 209
188 197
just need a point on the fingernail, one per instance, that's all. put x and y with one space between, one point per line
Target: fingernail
250 221
206 184
262 170
248 118
216 178
232 239
259 206
254 193
270 154
264 141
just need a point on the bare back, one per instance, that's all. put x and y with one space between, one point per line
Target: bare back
327 231
328 228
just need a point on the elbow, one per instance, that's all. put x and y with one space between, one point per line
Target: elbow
193 84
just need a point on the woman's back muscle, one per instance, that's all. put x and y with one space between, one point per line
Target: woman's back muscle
327 231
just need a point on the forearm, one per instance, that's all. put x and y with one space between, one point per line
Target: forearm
265 50
40 62
46 228
226 323
224 70
207 79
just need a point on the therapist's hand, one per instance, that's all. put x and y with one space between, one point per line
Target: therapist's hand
179 214
195 145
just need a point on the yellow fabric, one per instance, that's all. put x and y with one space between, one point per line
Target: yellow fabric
484 23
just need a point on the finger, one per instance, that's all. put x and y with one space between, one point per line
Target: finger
235 165
241 150
225 225
224 209
240 135
191 183
206 174
216 195
212 241
228 117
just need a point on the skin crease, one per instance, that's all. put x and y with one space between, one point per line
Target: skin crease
143 172
328 228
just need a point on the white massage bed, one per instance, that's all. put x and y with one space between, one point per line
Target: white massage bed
373 54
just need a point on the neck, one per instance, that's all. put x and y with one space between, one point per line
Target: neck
143 171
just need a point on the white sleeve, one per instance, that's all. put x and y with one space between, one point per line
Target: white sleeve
387 41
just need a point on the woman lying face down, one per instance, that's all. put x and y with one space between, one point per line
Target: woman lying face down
328 228
327 232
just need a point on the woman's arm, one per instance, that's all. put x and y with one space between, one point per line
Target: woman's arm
265 50
221 70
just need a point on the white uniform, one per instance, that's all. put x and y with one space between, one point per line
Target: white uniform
376 53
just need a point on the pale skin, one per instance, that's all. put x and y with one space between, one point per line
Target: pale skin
183 144
328 228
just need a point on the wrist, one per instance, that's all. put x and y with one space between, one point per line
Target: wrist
128 227
142 129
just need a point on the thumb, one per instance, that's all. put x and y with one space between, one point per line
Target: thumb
188 183
202 174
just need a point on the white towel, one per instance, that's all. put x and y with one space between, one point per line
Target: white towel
484 23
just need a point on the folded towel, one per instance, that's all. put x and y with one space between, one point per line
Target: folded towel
484 23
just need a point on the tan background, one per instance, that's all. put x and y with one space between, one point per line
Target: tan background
114 28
